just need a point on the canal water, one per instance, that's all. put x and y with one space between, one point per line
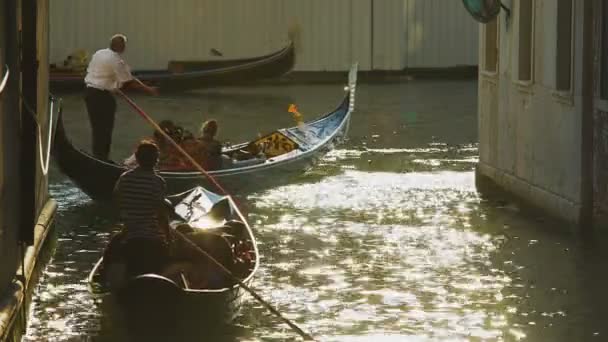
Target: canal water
386 240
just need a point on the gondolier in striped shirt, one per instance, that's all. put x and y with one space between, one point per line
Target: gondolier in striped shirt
106 73
140 194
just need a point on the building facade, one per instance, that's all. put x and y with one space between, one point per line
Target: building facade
599 107
379 34
26 211
542 105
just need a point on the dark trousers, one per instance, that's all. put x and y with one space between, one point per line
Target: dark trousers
146 256
101 107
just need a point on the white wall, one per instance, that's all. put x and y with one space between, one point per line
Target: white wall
530 134
439 33
334 33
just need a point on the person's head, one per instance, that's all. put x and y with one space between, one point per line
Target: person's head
168 127
209 128
147 154
118 43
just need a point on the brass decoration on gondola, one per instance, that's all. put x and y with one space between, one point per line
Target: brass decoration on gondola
275 144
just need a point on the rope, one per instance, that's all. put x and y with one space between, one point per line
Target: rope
4 79
44 162
44 165
268 306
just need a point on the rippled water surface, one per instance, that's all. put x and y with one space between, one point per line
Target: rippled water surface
386 240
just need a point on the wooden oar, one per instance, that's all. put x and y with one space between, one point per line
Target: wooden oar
268 306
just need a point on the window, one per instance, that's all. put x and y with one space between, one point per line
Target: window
604 63
524 72
563 63
491 46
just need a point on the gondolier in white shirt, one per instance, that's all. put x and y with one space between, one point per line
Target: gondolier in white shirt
107 72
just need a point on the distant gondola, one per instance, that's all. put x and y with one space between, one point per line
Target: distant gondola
306 145
199 74
215 220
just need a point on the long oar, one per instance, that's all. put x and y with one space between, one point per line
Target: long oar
200 250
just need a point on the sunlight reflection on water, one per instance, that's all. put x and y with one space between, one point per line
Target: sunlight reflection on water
351 252
385 240
390 263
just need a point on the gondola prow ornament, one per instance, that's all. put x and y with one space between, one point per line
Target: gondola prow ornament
293 109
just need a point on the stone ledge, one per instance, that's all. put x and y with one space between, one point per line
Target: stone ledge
9 310
11 304
490 180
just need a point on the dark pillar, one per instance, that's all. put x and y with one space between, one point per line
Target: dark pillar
586 214
29 90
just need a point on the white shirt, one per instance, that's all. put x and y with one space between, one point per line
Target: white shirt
107 71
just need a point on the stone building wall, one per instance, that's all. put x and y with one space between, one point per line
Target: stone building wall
530 104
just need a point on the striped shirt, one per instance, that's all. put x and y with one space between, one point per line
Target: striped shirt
141 194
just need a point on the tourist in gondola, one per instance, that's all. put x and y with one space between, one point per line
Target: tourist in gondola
107 72
140 195
209 149
205 149
169 157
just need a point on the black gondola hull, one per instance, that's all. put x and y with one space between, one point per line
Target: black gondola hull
97 178
205 74
152 303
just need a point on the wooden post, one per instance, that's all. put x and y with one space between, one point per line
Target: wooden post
29 91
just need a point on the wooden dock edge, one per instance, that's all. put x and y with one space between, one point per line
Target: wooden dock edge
12 322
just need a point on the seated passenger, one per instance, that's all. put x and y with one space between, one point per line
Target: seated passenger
169 157
209 150
191 145
205 150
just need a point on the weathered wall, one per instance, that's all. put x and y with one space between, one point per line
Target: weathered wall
600 185
530 133
600 113
9 147
11 298
438 33
379 34
12 137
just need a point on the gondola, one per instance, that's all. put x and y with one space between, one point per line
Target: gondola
176 300
198 75
306 145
